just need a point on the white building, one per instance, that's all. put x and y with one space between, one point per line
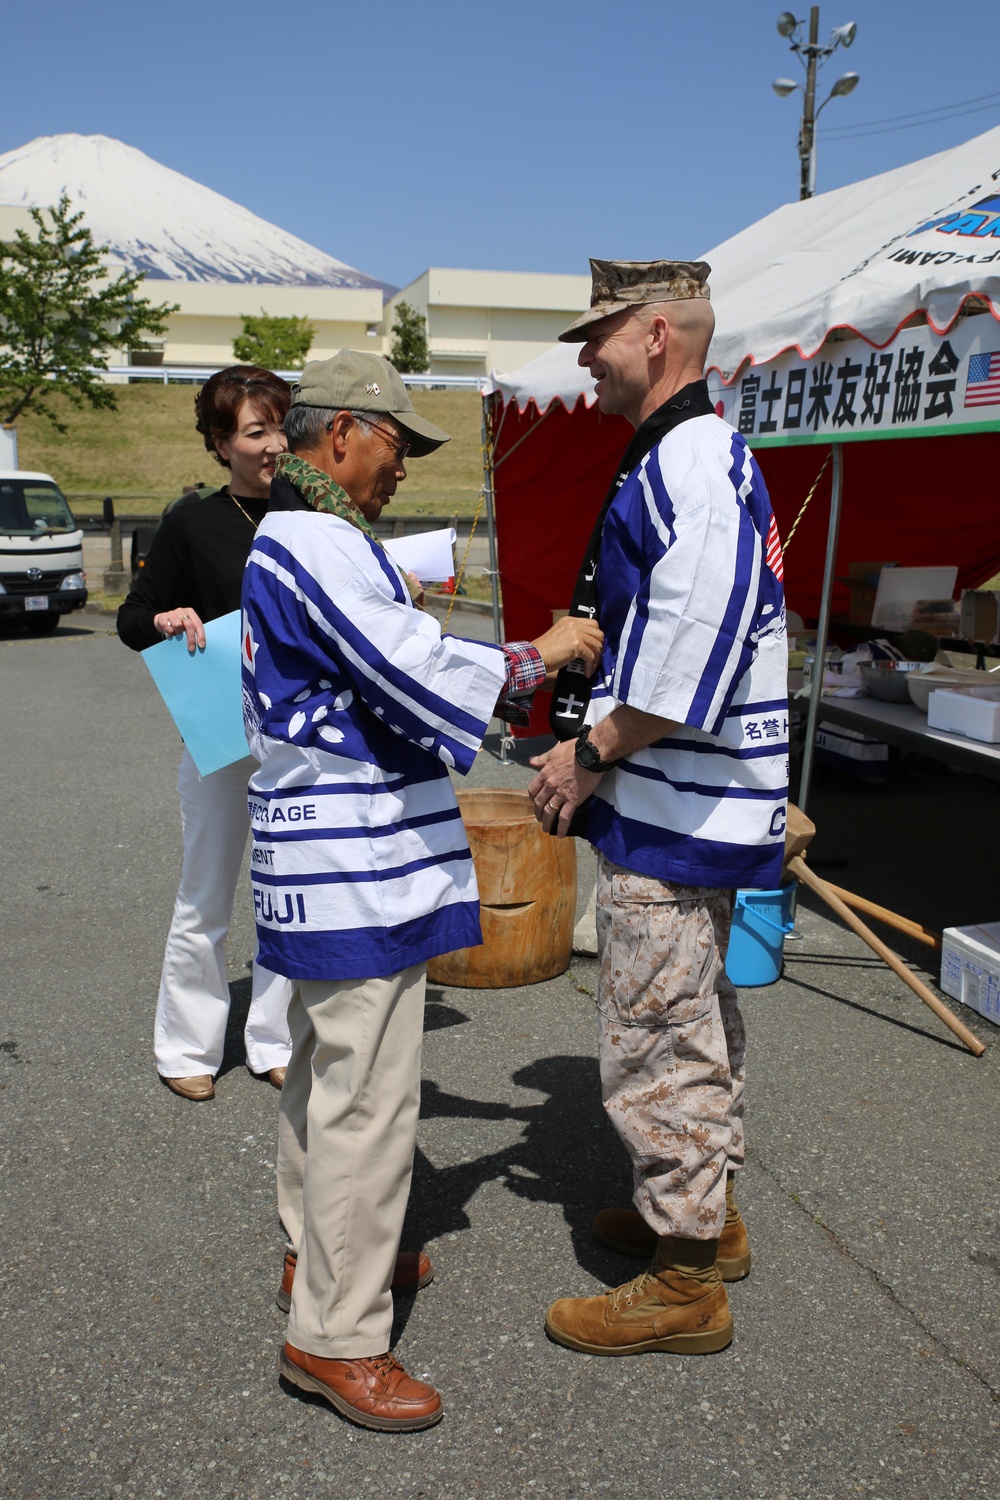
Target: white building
478 321
13 219
210 316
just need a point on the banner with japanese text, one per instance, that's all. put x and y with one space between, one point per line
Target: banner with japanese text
923 383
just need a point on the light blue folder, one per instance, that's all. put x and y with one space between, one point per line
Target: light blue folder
204 692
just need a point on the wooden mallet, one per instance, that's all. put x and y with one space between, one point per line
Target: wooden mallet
799 833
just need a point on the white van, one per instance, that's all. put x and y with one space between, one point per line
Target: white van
41 552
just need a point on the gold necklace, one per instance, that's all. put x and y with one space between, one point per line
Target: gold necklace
239 507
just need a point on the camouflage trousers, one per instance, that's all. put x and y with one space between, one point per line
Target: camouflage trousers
672 1045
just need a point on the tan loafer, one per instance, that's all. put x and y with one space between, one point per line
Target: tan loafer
201 1086
276 1077
375 1392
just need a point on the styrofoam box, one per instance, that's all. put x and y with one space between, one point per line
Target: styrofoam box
970 967
964 713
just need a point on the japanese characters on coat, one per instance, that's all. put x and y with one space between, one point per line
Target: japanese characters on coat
356 708
690 597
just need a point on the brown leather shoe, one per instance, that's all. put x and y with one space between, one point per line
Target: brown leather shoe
375 1392
679 1306
276 1077
626 1231
197 1088
413 1272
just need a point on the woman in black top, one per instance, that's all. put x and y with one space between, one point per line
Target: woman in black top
192 575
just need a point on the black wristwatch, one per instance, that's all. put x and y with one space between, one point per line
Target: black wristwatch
587 755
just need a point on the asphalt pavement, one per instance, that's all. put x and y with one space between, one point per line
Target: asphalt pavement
142 1249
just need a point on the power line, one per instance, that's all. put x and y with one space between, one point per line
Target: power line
916 125
920 113
851 132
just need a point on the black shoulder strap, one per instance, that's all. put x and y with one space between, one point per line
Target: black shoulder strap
571 694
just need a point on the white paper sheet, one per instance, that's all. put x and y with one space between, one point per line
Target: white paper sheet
429 554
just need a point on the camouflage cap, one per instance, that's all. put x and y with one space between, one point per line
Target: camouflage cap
630 283
352 381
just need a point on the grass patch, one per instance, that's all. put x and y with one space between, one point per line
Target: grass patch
109 603
145 452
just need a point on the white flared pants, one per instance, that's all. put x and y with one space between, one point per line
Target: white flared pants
193 1006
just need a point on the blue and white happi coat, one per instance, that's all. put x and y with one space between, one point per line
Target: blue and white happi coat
356 708
690 598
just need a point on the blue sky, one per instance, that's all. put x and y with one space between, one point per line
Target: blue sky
502 135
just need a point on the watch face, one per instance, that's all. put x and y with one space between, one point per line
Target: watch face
587 756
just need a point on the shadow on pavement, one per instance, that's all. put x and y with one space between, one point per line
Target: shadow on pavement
568 1155
234 1053
942 1038
439 1015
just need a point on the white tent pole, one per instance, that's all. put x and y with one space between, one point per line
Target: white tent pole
487 439
826 601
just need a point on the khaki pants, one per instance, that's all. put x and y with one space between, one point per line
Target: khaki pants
347 1129
672 1045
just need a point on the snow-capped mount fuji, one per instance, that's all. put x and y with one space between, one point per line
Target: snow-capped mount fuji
161 223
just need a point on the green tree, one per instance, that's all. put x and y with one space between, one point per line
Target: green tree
275 343
409 342
61 315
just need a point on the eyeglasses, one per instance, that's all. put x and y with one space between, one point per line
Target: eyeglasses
400 449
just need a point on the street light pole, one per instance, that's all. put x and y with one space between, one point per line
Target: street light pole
812 55
807 130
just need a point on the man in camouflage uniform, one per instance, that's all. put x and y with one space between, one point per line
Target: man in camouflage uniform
683 753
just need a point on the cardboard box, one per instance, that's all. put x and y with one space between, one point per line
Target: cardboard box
980 615
862 580
968 713
970 967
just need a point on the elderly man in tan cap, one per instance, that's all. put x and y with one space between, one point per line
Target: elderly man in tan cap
357 708
674 764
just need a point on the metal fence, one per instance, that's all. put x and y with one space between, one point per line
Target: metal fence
189 374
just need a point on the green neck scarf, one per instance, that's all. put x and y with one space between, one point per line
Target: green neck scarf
321 492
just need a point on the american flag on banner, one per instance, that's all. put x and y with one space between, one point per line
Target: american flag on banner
982 385
773 551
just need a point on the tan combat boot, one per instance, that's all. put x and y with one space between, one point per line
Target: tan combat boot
626 1231
678 1305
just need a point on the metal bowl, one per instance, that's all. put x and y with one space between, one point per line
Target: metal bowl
886 680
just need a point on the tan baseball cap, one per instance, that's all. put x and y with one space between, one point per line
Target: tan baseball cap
352 381
630 283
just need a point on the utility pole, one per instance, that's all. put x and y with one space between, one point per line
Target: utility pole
812 55
807 130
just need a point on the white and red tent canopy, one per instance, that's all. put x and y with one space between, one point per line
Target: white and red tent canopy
922 239
837 319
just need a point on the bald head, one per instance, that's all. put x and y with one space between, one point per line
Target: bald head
642 355
692 324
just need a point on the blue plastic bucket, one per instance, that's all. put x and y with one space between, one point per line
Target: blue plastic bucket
757 940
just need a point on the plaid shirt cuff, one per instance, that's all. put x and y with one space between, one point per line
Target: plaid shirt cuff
525 673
